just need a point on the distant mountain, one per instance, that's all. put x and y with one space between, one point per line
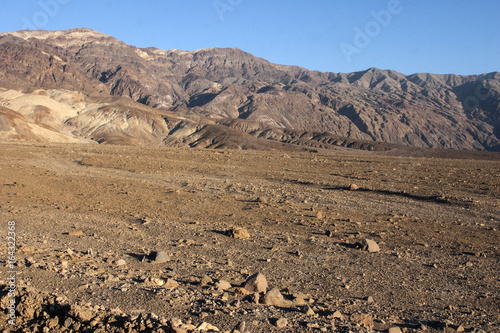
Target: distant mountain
230 94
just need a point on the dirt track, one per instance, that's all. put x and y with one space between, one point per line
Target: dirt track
436 221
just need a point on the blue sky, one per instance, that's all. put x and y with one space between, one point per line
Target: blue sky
409 36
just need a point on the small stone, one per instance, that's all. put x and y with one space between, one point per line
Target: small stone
353 187
241 326
299 300
362 319
158 281
241 291
178 330
206 280
312 324
330 233
81 314
96 321
161 256
460 329
369 245
337 314
121 262
175 322
223 285
282 322
171 284
274 297
369 300
261 200
75 233
256 283
68 322
207 327
238 233
319 215
256 298
308 311
53 322
394 330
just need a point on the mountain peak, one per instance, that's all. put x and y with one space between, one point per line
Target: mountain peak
46 34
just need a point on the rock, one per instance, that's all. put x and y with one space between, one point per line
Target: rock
369 300
206 280
312 324
53 322
369 245
299 300
319 215
241 291
75 233
362 319
238 233
161 256
308 311
330 233
96 321
394 330
175 322
274 297
158 281
67 322
282 322
120 262
460 329
81 314
353 187
337 314
223 285
171 284
256 298
207 327
178 330
261 200
241 327
256 283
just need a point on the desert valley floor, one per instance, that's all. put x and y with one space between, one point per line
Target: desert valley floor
90 218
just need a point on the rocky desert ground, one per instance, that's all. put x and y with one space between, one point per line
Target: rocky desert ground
131 239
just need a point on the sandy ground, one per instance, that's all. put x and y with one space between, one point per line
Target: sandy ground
89 219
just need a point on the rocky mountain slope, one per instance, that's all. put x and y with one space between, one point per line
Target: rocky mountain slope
240 95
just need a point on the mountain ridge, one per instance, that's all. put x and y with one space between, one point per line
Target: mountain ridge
422 109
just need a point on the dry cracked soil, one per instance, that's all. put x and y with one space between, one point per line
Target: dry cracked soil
129 239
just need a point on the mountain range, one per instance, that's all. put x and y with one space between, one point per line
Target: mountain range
80 85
